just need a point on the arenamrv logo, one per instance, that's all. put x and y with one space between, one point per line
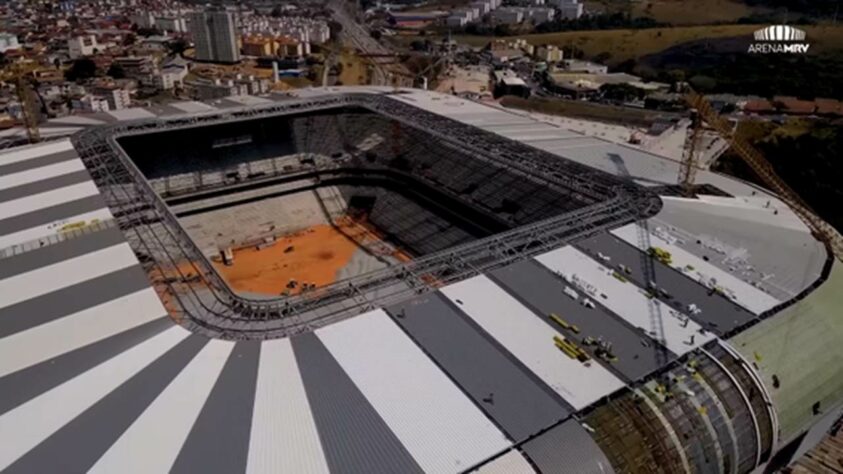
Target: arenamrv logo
779 39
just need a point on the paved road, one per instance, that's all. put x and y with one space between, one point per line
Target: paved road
356 36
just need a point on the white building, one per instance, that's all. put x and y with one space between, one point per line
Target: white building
81 46
508 16
215 36
549 53
8 41
578 65
143 20
304 30
569 10
457 20
90 103
538 15
171 24
170 77
117 97
482 7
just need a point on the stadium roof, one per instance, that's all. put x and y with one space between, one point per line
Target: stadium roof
96 376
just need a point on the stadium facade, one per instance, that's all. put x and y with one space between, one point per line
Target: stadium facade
562 310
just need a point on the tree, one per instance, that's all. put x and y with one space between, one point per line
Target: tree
603 57
703 83
335 28
147 32
116 71
177 46
417 45
130 39
621 92
82 68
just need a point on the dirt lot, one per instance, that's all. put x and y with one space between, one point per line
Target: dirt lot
315 255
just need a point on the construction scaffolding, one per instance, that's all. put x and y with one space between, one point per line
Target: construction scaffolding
198 296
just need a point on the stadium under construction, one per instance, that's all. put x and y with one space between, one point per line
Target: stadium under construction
375 280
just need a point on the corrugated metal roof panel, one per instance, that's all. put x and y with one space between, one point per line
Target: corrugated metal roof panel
523 404
42 416
510 463
35 202
531 341
625 299
59 275
438 424
539 288
144 446
745 294
567 448
355 438
34 151
284 436
73 331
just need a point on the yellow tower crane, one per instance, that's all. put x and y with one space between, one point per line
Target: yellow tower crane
20 76
702 111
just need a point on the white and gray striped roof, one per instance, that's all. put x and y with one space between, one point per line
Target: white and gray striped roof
95 376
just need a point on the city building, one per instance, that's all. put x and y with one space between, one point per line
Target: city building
549 53
258 46
80 46
579 65
538 15
136 67
90 103
569 9
143 19
171 24
8 41
117 97
508 16
171 77
305 30
508 83
457 19
215 36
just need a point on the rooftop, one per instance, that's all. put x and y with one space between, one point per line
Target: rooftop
95 367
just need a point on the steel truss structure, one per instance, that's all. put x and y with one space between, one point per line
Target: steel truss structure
197 295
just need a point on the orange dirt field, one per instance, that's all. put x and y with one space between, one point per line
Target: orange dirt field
313 255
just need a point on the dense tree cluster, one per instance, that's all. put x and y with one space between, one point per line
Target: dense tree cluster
808 160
